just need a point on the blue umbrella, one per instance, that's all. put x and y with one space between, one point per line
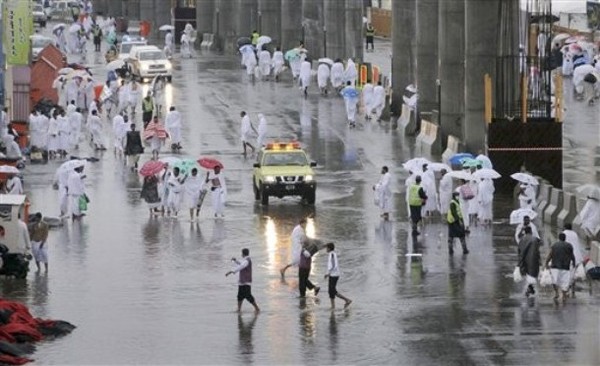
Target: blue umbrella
247 48
458 158
350 92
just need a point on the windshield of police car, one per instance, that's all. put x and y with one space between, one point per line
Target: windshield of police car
285 158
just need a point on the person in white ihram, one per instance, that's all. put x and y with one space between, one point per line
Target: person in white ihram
14 185
218 190
173 127
262 130
246 130
298 239
383 194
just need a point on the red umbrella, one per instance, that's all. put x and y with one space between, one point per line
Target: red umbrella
152 167
209 163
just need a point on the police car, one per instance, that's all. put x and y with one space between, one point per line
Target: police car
283 169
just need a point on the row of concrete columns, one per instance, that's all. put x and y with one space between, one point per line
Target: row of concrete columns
157 12
329 28
445 47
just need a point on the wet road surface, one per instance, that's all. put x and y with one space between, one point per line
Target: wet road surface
145 290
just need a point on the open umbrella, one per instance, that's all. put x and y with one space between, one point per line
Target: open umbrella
292 54
326 61
457 159
243 40
209 163
71 164
262 40
116 64
525 178
560 37
65 71
166 27
58 26
8 169
471 163
350 92
486 174
185 166
516 217
436 167
487 163
415 164
247 48
460 174
151 167
589 190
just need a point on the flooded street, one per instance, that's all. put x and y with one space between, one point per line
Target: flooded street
147 290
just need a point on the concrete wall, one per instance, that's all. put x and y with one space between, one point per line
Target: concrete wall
270 19
205 16
354 30
312 24
291 23
335 24
403 43
427 60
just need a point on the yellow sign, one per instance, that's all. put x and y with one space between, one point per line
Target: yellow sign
17 20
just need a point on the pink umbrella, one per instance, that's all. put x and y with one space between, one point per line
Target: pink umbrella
575 48
152 167
209 163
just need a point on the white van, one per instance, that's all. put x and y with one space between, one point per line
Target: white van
148 62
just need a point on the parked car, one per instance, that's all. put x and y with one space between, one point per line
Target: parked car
39 16
125 48
61 9
148 62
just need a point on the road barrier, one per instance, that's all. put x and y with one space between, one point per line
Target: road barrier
555 205
407 121
568 212
543 197
427 139
453 147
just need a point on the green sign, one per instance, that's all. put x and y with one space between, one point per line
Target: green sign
17 20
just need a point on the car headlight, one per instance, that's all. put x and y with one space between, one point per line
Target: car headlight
308 178
144 67
269 179
168 66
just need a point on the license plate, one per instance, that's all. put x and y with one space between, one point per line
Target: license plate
290 188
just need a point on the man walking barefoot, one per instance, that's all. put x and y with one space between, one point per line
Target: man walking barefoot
333 274
244 267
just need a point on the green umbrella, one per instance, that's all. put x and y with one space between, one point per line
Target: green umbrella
186 165
471 163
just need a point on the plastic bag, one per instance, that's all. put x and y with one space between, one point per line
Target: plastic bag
546 278
517 277
83 203
580 272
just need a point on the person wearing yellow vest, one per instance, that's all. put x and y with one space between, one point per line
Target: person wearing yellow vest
370 35
416 200
456 225
147 108
254 37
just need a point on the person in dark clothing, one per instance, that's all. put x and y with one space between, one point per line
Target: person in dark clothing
416 199
133 147
456 225
370 35
244 268
150 194
529 259
97 32
559 260
304 271
147 109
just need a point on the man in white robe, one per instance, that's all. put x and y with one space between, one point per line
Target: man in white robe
485 198
123 97
72 91
175 183
428 184
445 193
305 76
169 44
264 63
192 189
383 193
76 189
278 62
14 185
323 74
408 182
337 75
64 129
250 63
62 180
246 132
97 131
262 130
218 190
367 99
173 127
350 73
298 239
119 128
35 133
134 96
527 196
75 124
13 151
590 218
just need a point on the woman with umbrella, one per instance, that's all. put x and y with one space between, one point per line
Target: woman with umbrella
156 134
150 185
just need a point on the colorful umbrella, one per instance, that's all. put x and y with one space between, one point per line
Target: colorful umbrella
350 92
460 174
151 167
292 54
471 163
458 158
210 163
185 166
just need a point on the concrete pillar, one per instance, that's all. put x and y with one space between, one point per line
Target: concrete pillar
427 60
291 24
451 50
114 8
354 30
162 15
132 9
100 7
205 15
335 29
269 19
312 23
481 33
226 25
403 44
147 11
247 17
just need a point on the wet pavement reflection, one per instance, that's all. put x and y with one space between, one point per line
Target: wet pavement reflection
152 290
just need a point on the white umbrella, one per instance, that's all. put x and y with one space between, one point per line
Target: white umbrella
460 174
525 178
589 190
75 27
59 26
436 167
486 174
560 37
247 48
71 164
116 64
166 27
8 169
516 217
262 40
415 164
326 60
65 71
